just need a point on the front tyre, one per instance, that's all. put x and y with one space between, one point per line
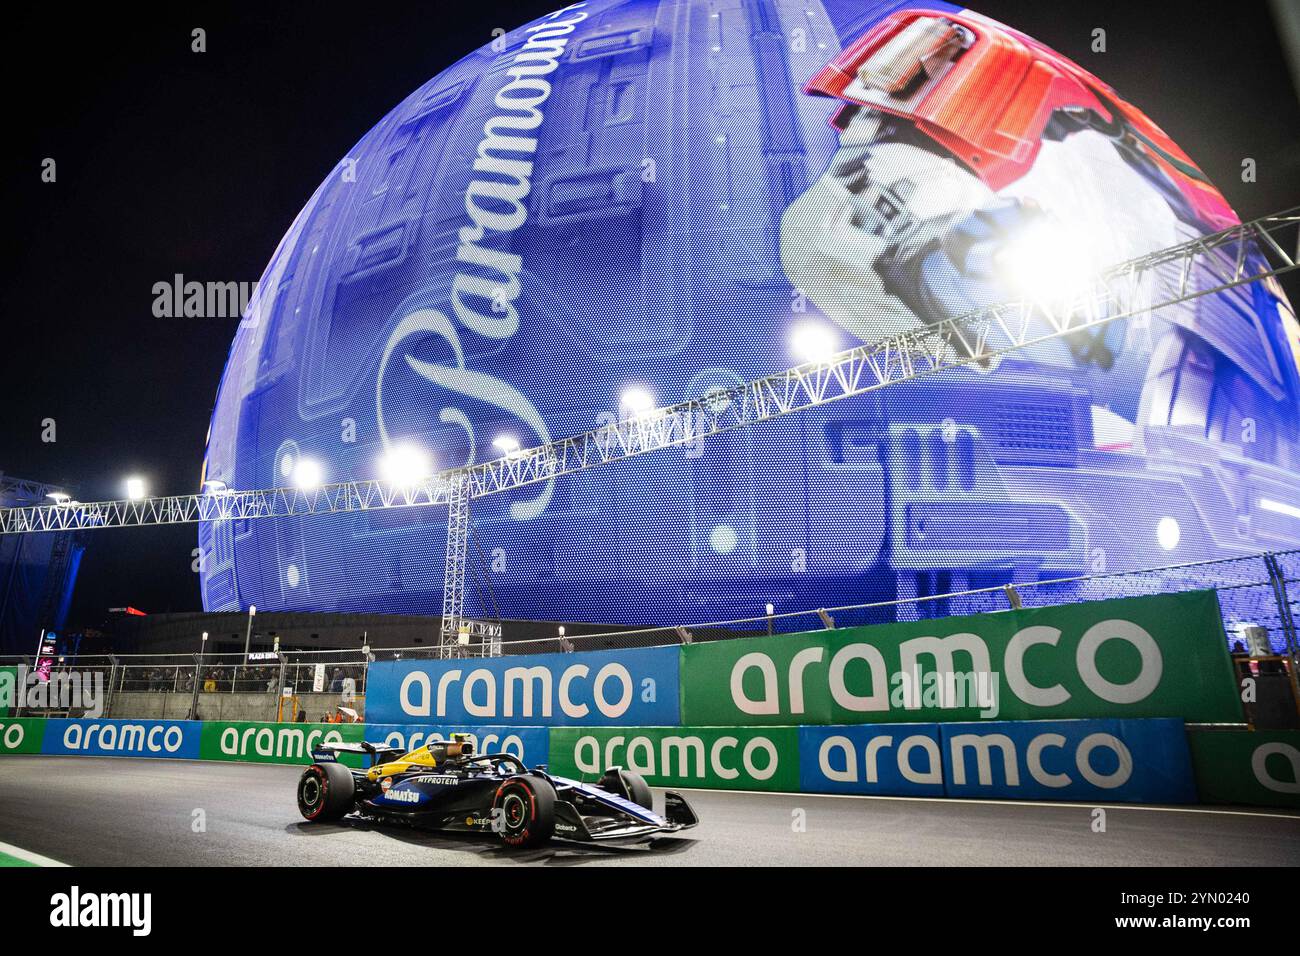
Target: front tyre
628 785
326 792
523 811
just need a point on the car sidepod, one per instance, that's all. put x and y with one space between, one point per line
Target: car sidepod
444 800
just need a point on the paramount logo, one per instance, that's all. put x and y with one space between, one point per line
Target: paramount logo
494 199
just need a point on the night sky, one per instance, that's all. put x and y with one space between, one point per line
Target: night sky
176 162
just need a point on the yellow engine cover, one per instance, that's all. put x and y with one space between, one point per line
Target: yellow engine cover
416 759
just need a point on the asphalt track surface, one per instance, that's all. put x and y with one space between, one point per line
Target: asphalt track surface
111 811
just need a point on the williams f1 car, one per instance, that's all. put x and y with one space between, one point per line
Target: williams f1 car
445 785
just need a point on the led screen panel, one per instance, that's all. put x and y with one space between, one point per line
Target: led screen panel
641 201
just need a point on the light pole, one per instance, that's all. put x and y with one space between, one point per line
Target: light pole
248 640
198 678
248 636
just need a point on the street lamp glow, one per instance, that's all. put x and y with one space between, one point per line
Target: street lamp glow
506 444
252 609
135 488
307 474
637 399
406 465
812 342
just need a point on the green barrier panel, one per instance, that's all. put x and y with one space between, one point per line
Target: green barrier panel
8 689
275 743
1260 767
22 735
716 758
1161 656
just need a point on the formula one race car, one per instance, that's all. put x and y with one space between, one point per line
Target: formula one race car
445 785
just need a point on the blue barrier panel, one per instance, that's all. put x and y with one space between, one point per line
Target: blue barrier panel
123 738
1137 761
887 759
532 745
635 688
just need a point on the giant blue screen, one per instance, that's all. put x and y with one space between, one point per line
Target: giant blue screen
677 195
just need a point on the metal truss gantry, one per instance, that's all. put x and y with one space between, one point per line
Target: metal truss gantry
1242 254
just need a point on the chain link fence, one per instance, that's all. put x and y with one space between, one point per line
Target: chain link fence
1257 591
1257 595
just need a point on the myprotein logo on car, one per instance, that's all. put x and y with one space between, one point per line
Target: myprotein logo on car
75 909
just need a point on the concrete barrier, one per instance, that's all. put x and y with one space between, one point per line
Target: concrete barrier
253 706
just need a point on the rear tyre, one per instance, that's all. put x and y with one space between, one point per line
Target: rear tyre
523 811
629 785
326 792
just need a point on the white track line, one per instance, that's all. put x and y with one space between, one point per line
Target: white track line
997 803
27 856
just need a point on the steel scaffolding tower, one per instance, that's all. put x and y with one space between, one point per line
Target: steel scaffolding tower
1245 253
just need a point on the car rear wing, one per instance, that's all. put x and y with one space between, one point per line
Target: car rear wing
379 753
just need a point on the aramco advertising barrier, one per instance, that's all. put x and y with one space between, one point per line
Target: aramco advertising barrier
1256 767
1131 761
274 743
1141 761
1159 656
632 687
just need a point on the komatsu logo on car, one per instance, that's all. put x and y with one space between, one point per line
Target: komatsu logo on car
403 796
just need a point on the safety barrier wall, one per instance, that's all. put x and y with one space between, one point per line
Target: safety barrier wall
638 686
1079 702
8 683
1159 656
1258 767
1131 761
240 706
1145 760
